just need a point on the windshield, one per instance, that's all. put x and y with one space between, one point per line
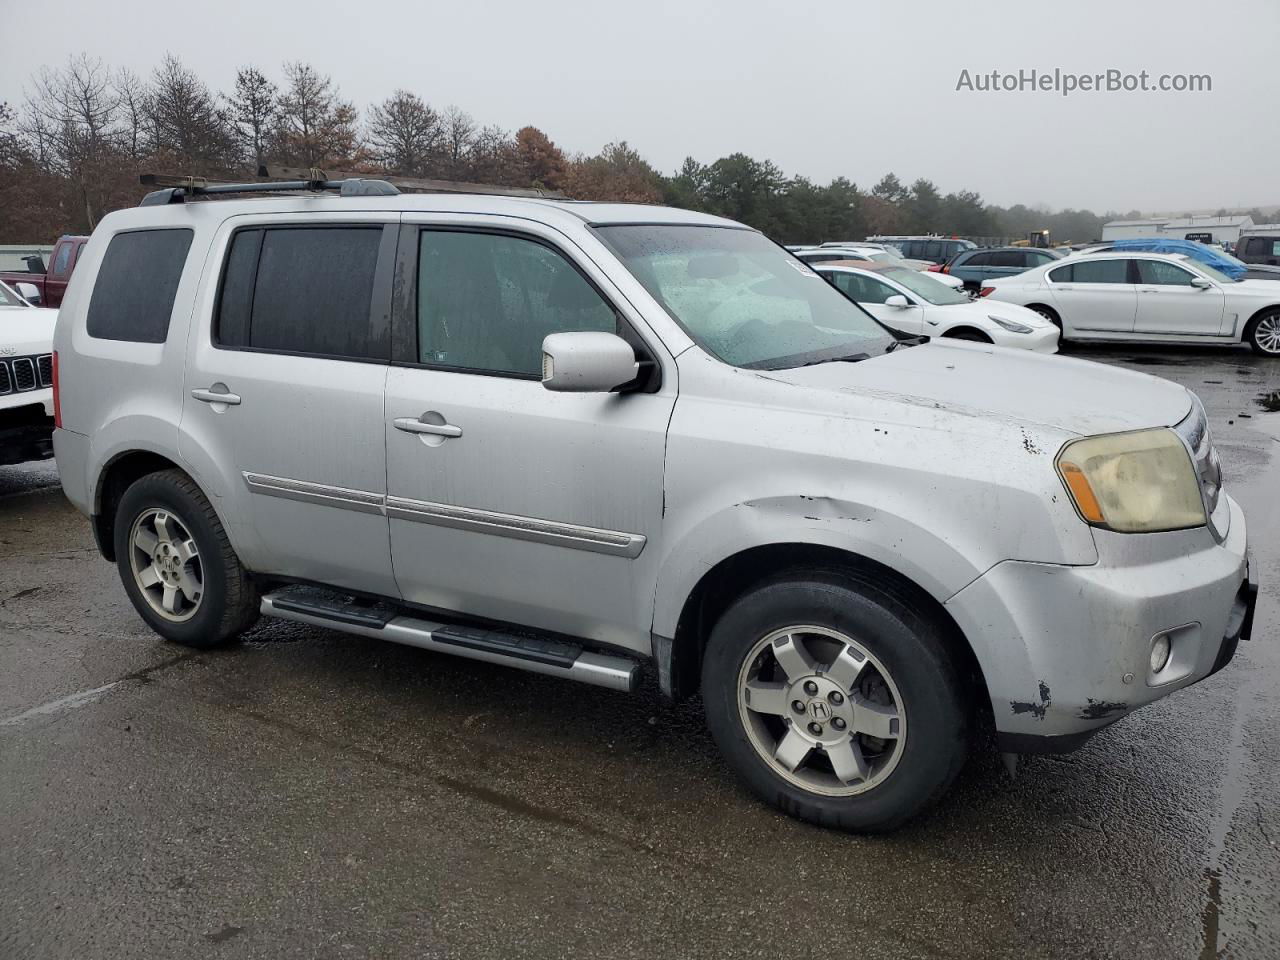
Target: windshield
1213 273
744 299
10 299
925 287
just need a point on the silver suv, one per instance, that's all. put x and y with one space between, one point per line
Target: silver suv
582 439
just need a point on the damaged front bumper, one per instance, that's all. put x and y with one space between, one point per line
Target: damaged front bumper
1067 650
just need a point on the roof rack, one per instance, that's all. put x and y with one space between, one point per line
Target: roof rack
295 180
177 189
417 184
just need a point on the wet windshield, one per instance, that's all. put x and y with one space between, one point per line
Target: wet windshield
743 298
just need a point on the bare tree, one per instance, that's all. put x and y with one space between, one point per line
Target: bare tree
71 122
317 127
254 110
404 133
188 124
131 90
459 137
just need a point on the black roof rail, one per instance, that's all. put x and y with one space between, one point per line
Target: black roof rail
419 184
177 189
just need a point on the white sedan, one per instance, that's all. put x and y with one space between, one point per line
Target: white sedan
829 253
1147 297
916 303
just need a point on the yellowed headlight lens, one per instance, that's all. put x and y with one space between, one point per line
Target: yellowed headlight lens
1140 482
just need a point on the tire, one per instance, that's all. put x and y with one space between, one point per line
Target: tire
904 774
213 599
968 333
1263 334
1048 313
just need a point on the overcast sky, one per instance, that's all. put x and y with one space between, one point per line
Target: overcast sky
848 88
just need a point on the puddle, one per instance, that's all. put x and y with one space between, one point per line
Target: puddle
1269 402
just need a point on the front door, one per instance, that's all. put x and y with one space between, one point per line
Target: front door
1168 303
506 500
871 293
1094 296
284 395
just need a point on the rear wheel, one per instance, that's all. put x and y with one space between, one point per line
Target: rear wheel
1263 334
834 701
177 565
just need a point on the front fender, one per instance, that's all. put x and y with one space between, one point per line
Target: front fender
860 529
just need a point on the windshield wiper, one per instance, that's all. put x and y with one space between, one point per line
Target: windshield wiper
906 342
848 358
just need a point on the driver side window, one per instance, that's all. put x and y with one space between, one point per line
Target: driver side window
487 300
863 289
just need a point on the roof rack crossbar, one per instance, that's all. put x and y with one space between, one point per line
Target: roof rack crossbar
177 189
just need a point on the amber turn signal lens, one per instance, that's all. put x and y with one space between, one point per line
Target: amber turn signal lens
1083 493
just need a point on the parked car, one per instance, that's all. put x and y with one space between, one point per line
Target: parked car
26 379
1260 248
974 267
583 438
1151 297
1213 255
932 249
915 303
49 284
829 254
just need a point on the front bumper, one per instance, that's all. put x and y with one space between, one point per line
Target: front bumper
1066 651
26 433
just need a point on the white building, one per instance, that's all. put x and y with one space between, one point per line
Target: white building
1222 230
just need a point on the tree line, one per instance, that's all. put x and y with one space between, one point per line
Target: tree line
72 148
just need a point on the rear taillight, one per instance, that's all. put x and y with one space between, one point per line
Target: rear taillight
945 268
986 291
57 396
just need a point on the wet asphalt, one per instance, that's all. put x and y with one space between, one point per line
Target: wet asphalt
310 794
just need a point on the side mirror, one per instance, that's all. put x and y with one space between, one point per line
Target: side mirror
899 301
1201 283
28 291
587 362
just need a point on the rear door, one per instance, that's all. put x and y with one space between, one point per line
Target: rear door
1169 304
284 393
1095 296
523 505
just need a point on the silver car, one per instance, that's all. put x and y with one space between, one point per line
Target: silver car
588 439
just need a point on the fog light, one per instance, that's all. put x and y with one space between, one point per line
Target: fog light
1159 653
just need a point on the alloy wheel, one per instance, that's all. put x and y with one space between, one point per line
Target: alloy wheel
166 565
1267 334
821 710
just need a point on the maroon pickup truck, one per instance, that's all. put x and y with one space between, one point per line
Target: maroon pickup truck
49 281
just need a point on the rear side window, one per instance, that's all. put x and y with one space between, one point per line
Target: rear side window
1008 258
1092 271
301 290
136 285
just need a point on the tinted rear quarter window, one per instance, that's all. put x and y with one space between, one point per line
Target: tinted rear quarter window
136 285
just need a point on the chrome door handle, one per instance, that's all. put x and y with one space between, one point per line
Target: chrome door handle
213 396
410 425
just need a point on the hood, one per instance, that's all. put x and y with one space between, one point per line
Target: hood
1254 287
26 330
994 383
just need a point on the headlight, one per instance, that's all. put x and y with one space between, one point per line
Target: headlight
1011 325
1140 482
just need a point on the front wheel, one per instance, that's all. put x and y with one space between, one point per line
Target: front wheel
835 702
1263 334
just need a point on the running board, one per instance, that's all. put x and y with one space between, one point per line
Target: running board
384 621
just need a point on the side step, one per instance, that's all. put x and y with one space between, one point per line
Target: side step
383 620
